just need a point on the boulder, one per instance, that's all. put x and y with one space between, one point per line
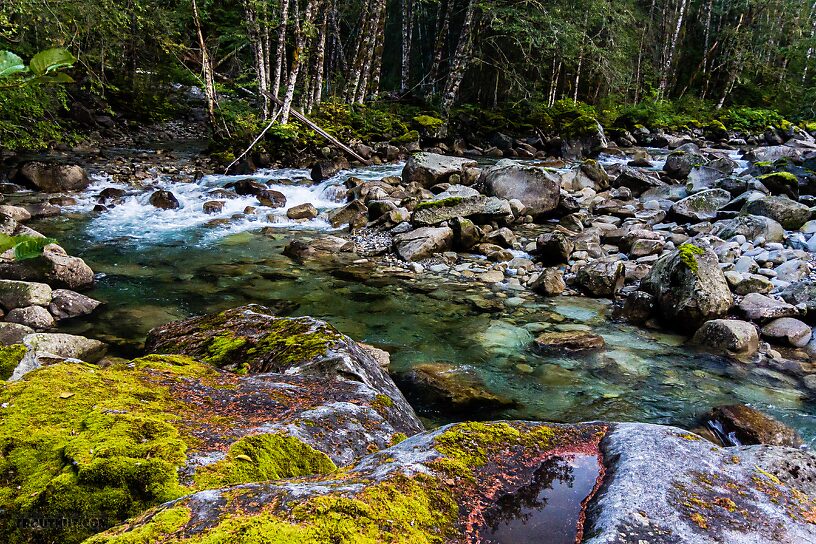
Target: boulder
758 307
19 294
728 336
689 288
788 213
601 278
801 292
323 170
442 388
15 212
750 226
554 247
702 206
680 163
164 200
465 233
53 178
66 304
54 267
636 180
550 283
423 242
303 211
13 333
482 209
741 425
271 198
35 317
538 189
781 183
320 248
213 207
354 214
795 332
429 169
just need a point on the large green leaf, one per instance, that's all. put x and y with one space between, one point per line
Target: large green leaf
51 59
10 64
31 248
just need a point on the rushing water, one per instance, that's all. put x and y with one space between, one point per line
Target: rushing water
159 265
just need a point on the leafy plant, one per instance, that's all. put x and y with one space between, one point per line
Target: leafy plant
44 67
25 247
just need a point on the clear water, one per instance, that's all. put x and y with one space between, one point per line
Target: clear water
157 266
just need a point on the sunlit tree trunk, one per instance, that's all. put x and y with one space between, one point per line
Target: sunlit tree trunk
294 69
206 69
667 72
439 46
461 60
280 53
407 35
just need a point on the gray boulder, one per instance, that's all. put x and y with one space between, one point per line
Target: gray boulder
423 242
795 332
53 178
19 294
35 317
750 226
55 267
537 188
680 163
728 336
601 278
689 288
13 333
637 181
66 304
702 206
429 169
788 213
482 209
758 307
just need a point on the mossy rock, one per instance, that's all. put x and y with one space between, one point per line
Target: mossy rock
10 357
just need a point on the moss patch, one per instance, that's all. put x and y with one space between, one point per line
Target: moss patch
222 348
688 254
161 527
428 122
264 457
289 342
449 202
10 357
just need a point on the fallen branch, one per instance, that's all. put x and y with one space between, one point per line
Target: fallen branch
247 150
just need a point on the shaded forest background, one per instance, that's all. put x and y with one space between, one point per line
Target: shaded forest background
383 68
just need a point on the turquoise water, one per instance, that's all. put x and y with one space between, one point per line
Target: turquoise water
154 269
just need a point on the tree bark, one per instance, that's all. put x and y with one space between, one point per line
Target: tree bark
294 70
461 61
281 50
206 69
407 35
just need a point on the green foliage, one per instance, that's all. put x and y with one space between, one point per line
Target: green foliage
688 255
39 71
25 247
10 357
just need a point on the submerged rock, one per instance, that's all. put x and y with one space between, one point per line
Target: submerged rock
569 340
738 425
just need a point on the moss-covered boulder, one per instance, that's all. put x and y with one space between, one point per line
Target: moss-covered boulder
97 445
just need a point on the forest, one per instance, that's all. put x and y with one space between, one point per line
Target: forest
662 63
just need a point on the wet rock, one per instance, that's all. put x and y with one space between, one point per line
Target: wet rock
19 294
702 206
538 189
600 278
680 163
728 336
13 333
303 211
41 210
245 187
15 212
667 485
271 198
164 200
550 283
354 214
110 196
213 207
758 307
502 237
35 317
554 247
485 209
788 213
465 233
445 388
429 169
781 183
741 425
750 226
796 333
569 340
53 178
802 292
55 267
323 170
423 242
689 288
638 307
382 357
326 246
67 304
636 180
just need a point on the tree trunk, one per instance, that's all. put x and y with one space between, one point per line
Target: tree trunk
281 51
667 71
439 46
294 70
407 34
377 52
206 69
464 52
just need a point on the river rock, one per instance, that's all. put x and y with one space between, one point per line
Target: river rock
781 183
788 213
568 340
13 333
689 288
728 336
465 233
35 317
739 425
323 170
243 187
271 198
794 331
636 180
354 214
538 189
15 212
66 304
750 226
429 169
303 211
801 292
213 207
423 242
19 294
680 163
323 247
702 206
792 271
550 283
758 307
53 178
55 267
601 278
164 200
554 247
445 388
483 209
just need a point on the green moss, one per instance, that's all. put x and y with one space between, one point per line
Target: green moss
786 177
469 443
397 438
222 349
99 443
449 202
10 357
264 457
162 525
381 403
289 342
428 122
407 138
688 254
